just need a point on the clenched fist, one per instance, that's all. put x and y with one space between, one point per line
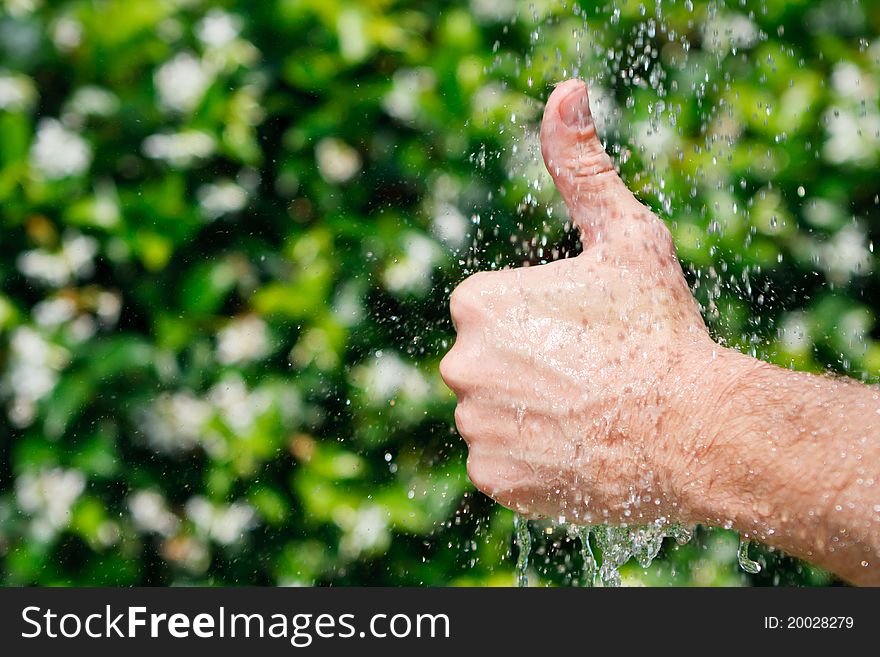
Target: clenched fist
578 381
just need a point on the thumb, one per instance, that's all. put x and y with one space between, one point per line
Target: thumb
583 172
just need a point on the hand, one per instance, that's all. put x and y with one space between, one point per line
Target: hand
578 382
589 389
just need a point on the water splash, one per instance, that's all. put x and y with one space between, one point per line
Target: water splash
524 547
742 555
619 544
616 546
589 568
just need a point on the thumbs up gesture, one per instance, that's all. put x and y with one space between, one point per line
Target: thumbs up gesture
581 384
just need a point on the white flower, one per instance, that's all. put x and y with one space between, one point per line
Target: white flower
493 10
21 8
67 33
238 406
402 101
181 421
822 212
181 82
17 92
850 82
218 29
74 260
388 376
31 373
450 225
854 328
489 97
366 530
58 152
92 101
176 422
82 328
412 271
354 43
224 524
52 312
795 333
180 149
337 161
853 136
725 31
653 137
151 514
242 340
222 197
347 307
108 307
845 255
48 497
314 347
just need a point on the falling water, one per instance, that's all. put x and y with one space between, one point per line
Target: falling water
619 544
742 555
616 545
589 568
524 546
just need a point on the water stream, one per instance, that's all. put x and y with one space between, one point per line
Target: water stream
524 548
616 546
589 568
742 556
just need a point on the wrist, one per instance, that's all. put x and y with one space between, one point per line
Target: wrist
709 476
784 457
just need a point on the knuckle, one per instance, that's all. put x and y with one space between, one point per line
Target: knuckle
464 302
480 473
458 307
661 237
445 367
665 243
594 172
462 306
466 421
453 371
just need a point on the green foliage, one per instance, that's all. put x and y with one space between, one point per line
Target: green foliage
230 229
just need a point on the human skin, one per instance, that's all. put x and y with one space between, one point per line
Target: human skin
590 390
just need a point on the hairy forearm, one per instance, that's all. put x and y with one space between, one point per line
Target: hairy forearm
791 459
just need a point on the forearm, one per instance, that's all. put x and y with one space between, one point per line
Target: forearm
792 459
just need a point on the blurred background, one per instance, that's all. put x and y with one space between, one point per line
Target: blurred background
230 229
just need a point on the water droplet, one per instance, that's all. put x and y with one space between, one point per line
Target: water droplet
742 555
589 569
524 547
